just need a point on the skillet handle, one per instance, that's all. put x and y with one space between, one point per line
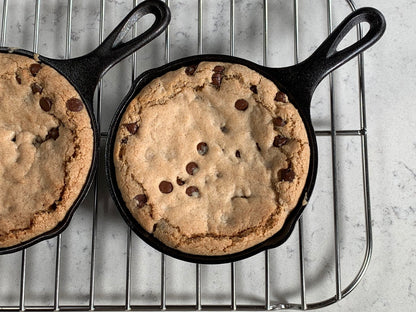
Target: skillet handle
326 58
113 49
84 72
304 77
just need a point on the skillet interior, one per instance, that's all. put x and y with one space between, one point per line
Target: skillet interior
63 224
290 222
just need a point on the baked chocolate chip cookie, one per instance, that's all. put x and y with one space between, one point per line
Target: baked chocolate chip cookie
46 147
211 158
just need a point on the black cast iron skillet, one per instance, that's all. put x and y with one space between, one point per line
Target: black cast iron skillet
298 82
84 73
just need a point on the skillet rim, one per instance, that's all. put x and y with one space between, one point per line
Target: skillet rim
63 224
275 240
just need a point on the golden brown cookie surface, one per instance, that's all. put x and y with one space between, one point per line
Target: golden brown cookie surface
46 145
211 159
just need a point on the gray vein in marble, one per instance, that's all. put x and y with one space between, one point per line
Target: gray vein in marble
408 169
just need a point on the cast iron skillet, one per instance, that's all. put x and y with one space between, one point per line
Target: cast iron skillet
298 82
84 73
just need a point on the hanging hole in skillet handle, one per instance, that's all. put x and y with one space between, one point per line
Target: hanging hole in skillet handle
302 79
114 49
84 72
328 51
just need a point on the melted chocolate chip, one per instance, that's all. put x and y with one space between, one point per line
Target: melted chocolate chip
253 89
224 129
190 70
279 141
216 79
45 103
18 79
241 105
287 174
237 154
219 69
192 191
165 187
202 148
124 140
141 200
37 141
192 168
74 105
53 207
179 181
34 69
132 127
258 147
280 97
121 152
36 88
278 122
53 134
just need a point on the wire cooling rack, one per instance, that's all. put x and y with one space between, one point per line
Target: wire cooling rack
97 264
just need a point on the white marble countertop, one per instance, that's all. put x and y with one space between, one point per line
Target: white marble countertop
390 67
389 284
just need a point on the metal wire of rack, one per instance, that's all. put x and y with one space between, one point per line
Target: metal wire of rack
268 302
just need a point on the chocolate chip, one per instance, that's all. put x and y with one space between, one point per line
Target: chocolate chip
121 152
253 89
219 69
14 138
36 88
180 181
192 191
45 103
37 141
237 154
224 129
53 207
53 134
18 79
216 79
279 141
241 104
34 69
141 200
280 97
74 105
278 122
165 187
124 140
287 174
192 168
258 147
202 148
132 127
190 70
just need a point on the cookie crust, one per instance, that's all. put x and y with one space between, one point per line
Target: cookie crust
232 147
46 147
